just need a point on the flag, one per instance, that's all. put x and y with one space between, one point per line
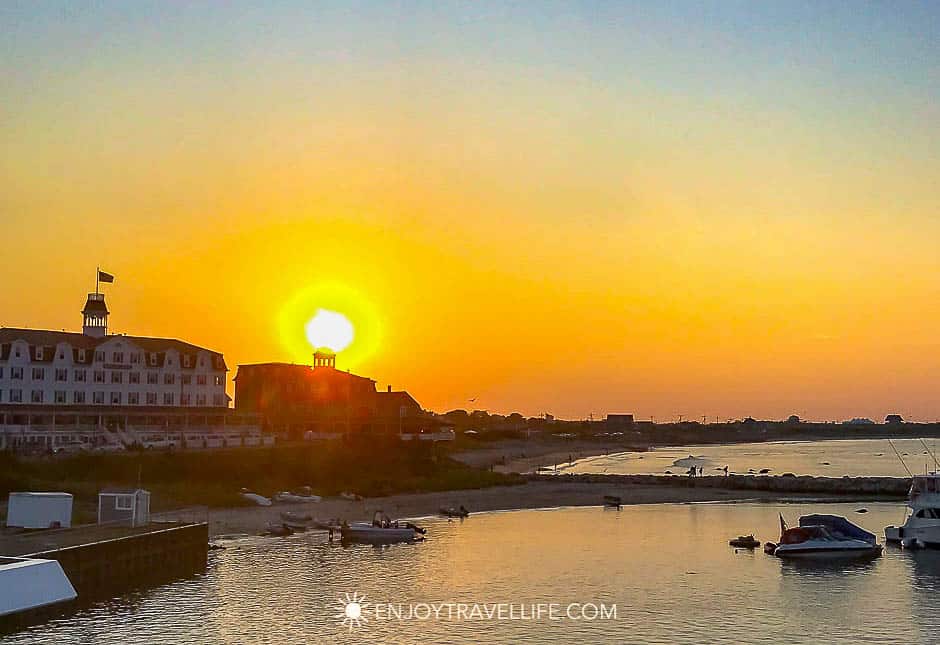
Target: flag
104 277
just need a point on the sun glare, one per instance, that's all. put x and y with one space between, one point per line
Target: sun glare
329 330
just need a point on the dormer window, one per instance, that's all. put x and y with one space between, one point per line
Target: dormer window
135 357
153 358
39 353
99 356
186 361
81 355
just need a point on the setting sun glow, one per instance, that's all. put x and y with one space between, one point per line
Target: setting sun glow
329 330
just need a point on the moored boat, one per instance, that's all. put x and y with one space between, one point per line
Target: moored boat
921 528
381 530
826 537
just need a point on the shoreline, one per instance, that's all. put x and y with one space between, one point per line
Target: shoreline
532 495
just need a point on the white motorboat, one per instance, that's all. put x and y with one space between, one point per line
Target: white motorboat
922 526
826 537
381 530
29 584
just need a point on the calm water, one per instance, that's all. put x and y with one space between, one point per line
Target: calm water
828 458
667 568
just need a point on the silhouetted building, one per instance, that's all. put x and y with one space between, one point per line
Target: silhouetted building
320 399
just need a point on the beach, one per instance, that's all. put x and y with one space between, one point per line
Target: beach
531 495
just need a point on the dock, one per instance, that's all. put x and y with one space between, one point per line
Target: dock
103 561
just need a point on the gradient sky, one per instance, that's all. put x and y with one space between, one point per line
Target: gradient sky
724 208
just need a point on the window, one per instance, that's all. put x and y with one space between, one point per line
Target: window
133 398
79 376
39 373
1 371
117 357
98 398
184 399
169 379
201 379
217 380
135 358
16 373
78 397
153 358
36 396
186 361
59 396
16 396
99 376
151 398
133 377
167 398
123 502
117 377
200 399
218 400
17 352
151 378
115 398
99 356
81 356
61 374
40 354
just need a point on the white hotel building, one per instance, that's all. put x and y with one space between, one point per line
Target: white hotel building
91 388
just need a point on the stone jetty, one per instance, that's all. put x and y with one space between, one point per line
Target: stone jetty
893 487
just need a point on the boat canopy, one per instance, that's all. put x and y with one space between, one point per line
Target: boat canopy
838 526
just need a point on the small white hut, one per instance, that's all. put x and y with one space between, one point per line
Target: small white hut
124 505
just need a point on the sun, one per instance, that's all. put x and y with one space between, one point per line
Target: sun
350 609
330 316
329 330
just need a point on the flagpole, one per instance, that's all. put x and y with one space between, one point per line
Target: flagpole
97 277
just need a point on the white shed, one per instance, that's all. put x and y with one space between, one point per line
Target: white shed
124 505
39 510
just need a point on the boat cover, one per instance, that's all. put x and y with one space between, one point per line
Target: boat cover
838 526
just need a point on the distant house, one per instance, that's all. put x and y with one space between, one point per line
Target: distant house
894 419
859 421
793 419
619 421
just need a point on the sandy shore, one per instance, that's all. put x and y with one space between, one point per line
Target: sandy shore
528 456
530 495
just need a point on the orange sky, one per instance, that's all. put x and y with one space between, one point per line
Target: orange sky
555 213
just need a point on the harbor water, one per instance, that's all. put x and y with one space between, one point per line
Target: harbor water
837 458
666 569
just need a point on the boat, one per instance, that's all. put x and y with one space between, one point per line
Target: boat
921 528
454 512
745 542
826 537
286 497
381 530
260 500
28 585
279 529
613 501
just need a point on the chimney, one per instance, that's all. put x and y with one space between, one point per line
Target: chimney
390 389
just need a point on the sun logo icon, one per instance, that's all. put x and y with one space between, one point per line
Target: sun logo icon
350 610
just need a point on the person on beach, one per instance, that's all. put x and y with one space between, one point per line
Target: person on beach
726 471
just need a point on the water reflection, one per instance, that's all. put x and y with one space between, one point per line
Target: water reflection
668 569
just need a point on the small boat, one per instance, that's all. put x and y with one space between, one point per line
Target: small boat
279 529
381 530
454 512
28 585
745 542
286 497
260 500
612 501
826 537
922 525
769 548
